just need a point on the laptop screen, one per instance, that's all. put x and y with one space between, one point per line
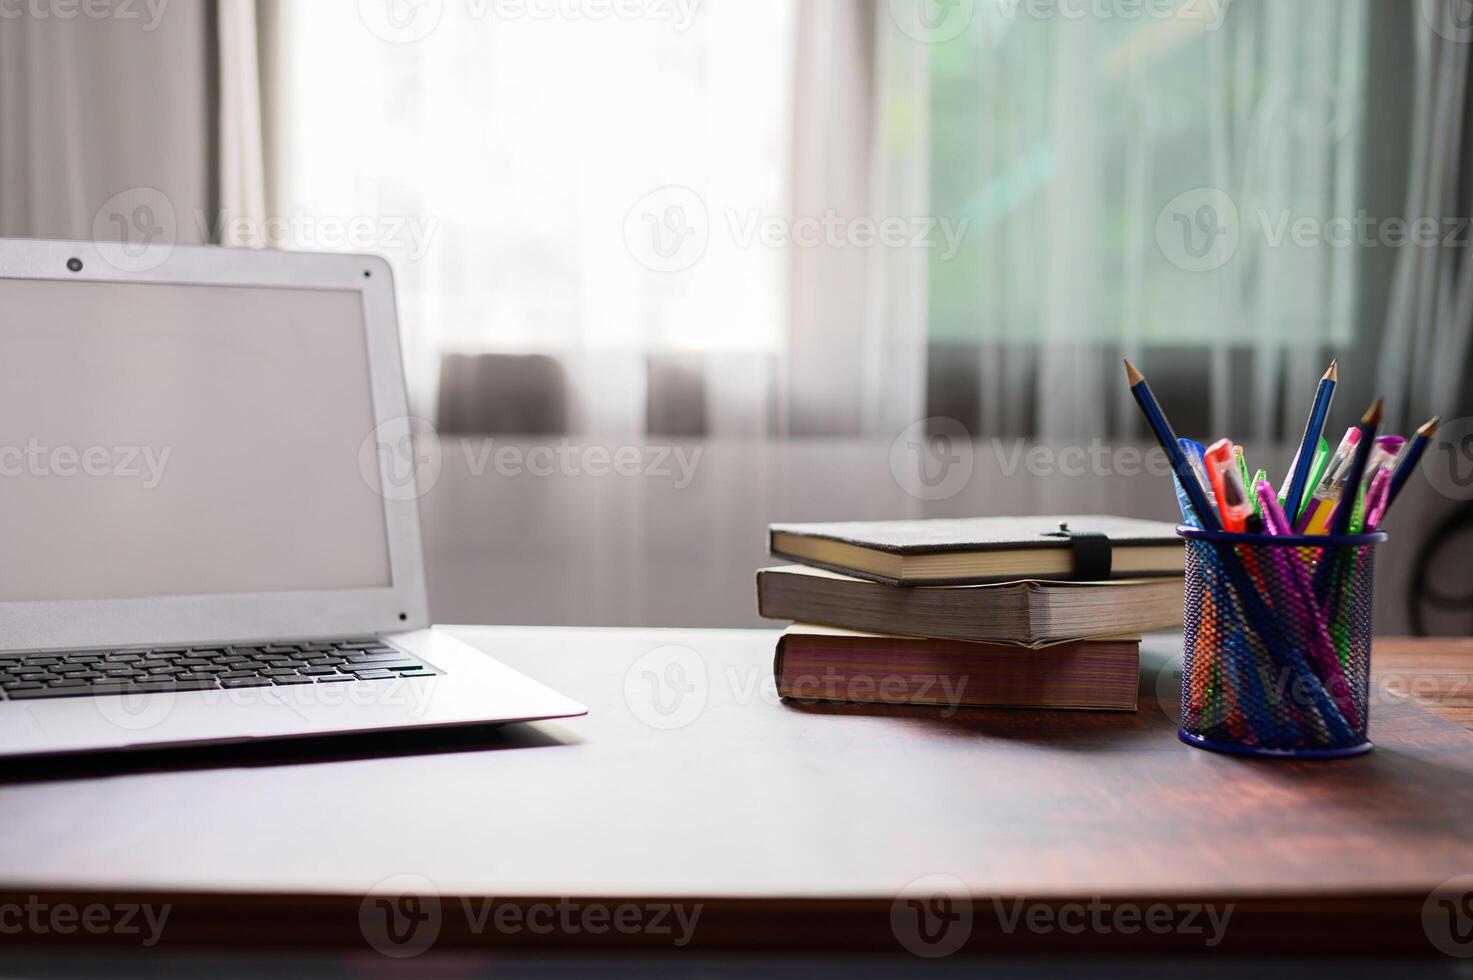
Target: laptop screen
168 440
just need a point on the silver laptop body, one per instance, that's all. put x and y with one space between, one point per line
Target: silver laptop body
209 526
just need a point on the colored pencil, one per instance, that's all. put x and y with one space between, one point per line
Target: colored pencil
1167 438
1318 413
1410 457
1345 510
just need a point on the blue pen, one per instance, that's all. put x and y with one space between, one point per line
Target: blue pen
1195 452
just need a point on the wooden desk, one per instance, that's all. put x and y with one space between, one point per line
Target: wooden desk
789 827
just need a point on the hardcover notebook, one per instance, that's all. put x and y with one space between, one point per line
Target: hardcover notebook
982 549
818 664
1032 613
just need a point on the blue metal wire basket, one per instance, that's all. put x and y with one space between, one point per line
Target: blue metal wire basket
1277 643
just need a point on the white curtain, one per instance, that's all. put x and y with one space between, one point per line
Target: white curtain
105 119
548 163
612 191
1128 181
242 132
594 188
1429 323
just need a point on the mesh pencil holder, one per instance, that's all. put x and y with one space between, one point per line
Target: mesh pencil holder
1277 643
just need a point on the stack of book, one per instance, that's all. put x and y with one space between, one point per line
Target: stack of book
1038 612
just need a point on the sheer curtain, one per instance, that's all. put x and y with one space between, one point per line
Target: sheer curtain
585 187
1186 187
1429 324
1132 184
106 123
681 185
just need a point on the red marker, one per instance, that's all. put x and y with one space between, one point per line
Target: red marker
1227 486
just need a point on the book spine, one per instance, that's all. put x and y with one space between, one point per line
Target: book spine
1079 675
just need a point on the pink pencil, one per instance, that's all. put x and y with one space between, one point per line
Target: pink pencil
1322 650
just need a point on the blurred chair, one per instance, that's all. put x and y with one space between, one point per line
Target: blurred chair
675 396
496 394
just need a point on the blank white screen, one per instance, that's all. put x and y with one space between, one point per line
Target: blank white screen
164 440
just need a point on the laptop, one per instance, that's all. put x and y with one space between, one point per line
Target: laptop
209 524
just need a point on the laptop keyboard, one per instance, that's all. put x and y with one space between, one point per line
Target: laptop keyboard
67 674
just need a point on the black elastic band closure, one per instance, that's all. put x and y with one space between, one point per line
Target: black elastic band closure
1093 556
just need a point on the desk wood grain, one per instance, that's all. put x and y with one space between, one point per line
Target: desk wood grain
789 826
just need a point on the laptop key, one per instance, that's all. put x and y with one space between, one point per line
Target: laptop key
38 694
294 679
375 675
231 682
167 686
